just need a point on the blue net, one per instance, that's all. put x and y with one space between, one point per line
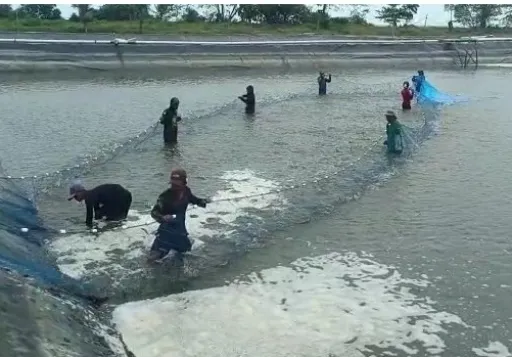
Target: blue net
429 94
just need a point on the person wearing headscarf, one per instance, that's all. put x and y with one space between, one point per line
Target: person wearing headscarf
407 95
108 201
322 83
170 211
170 119
394 135
249 99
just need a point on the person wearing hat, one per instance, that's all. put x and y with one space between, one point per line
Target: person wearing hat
109 201
394 140
170 119
322 83
170 211
249 99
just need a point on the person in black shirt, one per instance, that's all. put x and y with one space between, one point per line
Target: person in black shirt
249 99
109 201
169 120
170 211
322 83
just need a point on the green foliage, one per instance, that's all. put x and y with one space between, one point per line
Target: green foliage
474 16
42 12
394 14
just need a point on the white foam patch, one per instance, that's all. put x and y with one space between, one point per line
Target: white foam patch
332 304
85 254
495 349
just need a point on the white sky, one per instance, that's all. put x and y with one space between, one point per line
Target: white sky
436 14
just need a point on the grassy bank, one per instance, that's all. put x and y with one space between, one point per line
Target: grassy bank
212 29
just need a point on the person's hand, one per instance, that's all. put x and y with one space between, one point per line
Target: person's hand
168 218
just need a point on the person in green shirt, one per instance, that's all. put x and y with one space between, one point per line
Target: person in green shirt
170 119
394 142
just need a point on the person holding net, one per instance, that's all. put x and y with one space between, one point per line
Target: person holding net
394 140
169 120
170 211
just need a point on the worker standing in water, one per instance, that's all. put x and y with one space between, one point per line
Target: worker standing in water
394 142
418 80
407 96
109 201
170 211
249 99
322 83
170 119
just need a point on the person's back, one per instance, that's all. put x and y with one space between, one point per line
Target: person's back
110 201
394 140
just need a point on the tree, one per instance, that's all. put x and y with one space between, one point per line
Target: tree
474 16
5 10
222 12
358 14
191 15
164 12
85 14
249 13
393 14
43 12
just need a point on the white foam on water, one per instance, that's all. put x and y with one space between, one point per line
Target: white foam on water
495 349
331 304
86 254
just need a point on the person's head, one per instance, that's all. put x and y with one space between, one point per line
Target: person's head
250 89
390 116
406 84
420 72
178 178
77 191
175 103
322 74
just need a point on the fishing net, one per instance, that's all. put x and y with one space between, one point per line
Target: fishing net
429 94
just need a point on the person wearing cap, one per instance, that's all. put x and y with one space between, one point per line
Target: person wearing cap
170 211
109 201
249 99
170 119
394 140
322 83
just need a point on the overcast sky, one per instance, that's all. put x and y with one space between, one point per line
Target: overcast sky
436 15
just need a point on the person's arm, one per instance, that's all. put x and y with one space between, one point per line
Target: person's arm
201 202
156 212
329 80
243 98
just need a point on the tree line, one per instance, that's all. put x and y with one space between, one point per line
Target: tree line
471 16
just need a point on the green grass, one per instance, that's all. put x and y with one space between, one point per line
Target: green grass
212 29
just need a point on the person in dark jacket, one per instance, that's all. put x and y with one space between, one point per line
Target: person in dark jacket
322 83
170 119
249 99
170 211
109 201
